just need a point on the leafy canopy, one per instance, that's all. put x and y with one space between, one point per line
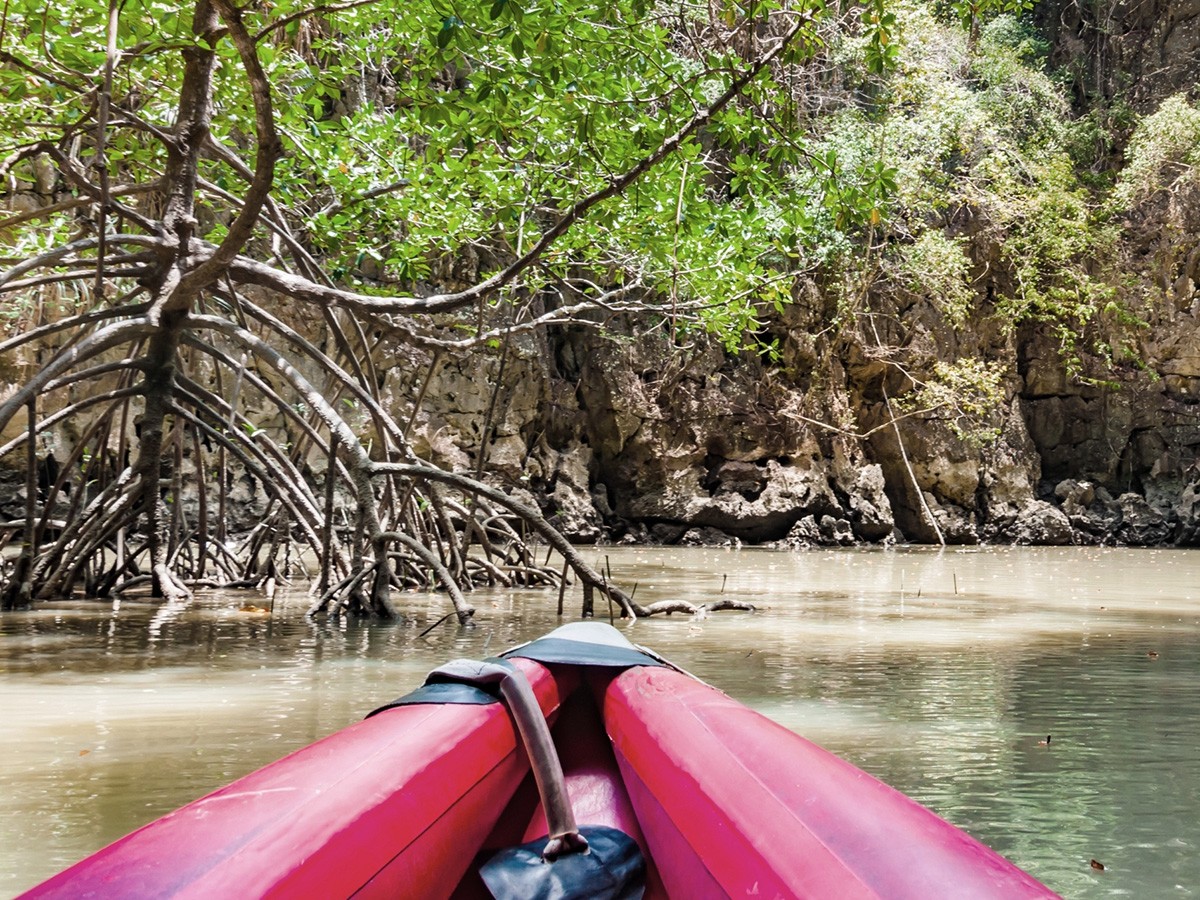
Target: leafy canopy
423 132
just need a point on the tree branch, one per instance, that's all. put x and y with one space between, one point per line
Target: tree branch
590 577
242 228
249 272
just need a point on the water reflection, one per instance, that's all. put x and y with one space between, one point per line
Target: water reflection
937 671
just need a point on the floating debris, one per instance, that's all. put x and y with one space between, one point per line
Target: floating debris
252 609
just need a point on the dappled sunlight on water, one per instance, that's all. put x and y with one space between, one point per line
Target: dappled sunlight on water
937 671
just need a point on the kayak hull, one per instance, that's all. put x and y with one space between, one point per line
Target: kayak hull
385 802
755 809
721 800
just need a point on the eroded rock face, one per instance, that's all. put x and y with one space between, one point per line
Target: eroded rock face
760 509
829 531
1149 48
870 509
630 438
574 508
627 439
701 446
1130 431
620 440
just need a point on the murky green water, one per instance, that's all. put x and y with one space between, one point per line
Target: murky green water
937 672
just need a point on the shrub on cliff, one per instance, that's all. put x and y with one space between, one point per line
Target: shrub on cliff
1163 151
989 217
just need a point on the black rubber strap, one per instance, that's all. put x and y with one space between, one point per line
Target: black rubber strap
576 644
443 692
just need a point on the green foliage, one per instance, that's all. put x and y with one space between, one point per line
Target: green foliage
989 148
50 62
1164 149
879 26
501 115
429 142
1017 35
422 133
973 12
937 266
965 393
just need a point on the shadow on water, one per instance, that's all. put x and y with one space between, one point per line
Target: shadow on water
939 672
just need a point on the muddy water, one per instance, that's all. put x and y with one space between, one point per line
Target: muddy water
936 671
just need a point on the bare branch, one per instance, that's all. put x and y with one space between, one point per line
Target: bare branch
269 149
104 339
59 253
590 577
72 323
42 212
306 13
